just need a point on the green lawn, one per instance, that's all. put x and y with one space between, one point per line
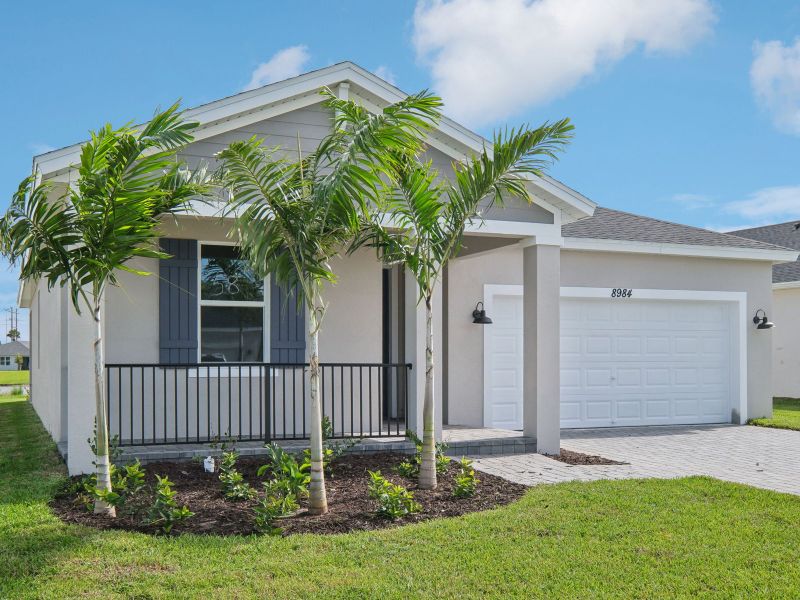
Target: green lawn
15 377
785 414
684 537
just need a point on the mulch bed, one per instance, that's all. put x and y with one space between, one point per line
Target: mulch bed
576 458
350 508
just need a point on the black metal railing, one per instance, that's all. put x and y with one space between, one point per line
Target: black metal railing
152 404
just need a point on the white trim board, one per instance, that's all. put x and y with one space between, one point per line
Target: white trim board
786 285
601 245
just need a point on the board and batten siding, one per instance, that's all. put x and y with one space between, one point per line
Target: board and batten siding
177 302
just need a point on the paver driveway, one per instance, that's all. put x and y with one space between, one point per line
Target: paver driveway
758 456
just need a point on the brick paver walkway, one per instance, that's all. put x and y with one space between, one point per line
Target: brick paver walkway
758 456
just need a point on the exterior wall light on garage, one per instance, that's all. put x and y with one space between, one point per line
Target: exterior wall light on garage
479 315
762 322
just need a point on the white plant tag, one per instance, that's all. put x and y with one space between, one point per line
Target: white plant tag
208 464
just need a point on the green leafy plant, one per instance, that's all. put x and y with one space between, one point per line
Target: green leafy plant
126 482
270 508
420 223
284 467
294 217
223 443
165 511
114 451
394 501
80 237
410 468
234 487
407 468
465 483
279 501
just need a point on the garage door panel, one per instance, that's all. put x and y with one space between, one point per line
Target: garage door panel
655 362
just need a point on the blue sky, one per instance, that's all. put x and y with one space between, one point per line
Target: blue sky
687 110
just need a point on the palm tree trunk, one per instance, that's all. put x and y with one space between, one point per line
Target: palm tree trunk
101 461
318 501
427 470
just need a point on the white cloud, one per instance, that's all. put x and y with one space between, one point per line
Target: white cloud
775 77
693 201
492 58
285 63
768 205
386 74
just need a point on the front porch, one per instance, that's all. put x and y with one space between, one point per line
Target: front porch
461 441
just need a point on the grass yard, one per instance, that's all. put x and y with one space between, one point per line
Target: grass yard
683 537
785 415
15 377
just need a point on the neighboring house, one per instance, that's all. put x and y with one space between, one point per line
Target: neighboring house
624 320
785 307
9 353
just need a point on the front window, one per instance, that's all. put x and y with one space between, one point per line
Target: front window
232 307
5 361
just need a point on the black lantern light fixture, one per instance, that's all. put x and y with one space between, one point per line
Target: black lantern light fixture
479 315
762 322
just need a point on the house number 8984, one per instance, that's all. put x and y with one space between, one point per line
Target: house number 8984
621 293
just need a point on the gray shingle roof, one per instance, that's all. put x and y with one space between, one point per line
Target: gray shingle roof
782 234
609 224
14 348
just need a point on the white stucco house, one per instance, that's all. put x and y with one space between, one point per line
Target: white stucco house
599 318
785 307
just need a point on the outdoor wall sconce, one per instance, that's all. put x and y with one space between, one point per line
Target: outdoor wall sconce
762 322
479 315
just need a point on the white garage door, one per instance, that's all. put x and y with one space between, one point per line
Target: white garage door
645 362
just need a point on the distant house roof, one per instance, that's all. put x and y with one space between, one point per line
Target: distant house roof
782 234
610 224
14 348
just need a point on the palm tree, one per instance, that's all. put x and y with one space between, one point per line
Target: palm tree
128 178
421 225
293 217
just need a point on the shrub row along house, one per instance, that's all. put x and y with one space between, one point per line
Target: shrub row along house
555 314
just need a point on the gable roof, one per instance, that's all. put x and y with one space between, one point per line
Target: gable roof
782 234
664 237
13 348
348 80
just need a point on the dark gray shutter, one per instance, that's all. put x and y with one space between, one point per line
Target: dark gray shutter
287 330
177 302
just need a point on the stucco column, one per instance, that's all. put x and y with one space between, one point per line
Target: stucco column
541 340
80 390
415 354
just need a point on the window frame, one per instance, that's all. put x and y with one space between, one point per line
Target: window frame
263 303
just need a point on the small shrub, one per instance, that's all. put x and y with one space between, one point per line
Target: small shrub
234 487
407 468
410 468
284 467
278 501
331 451
270 508
126 482
223 443
114 451
394 501
165 511
466 483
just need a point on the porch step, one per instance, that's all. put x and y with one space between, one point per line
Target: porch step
484 446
